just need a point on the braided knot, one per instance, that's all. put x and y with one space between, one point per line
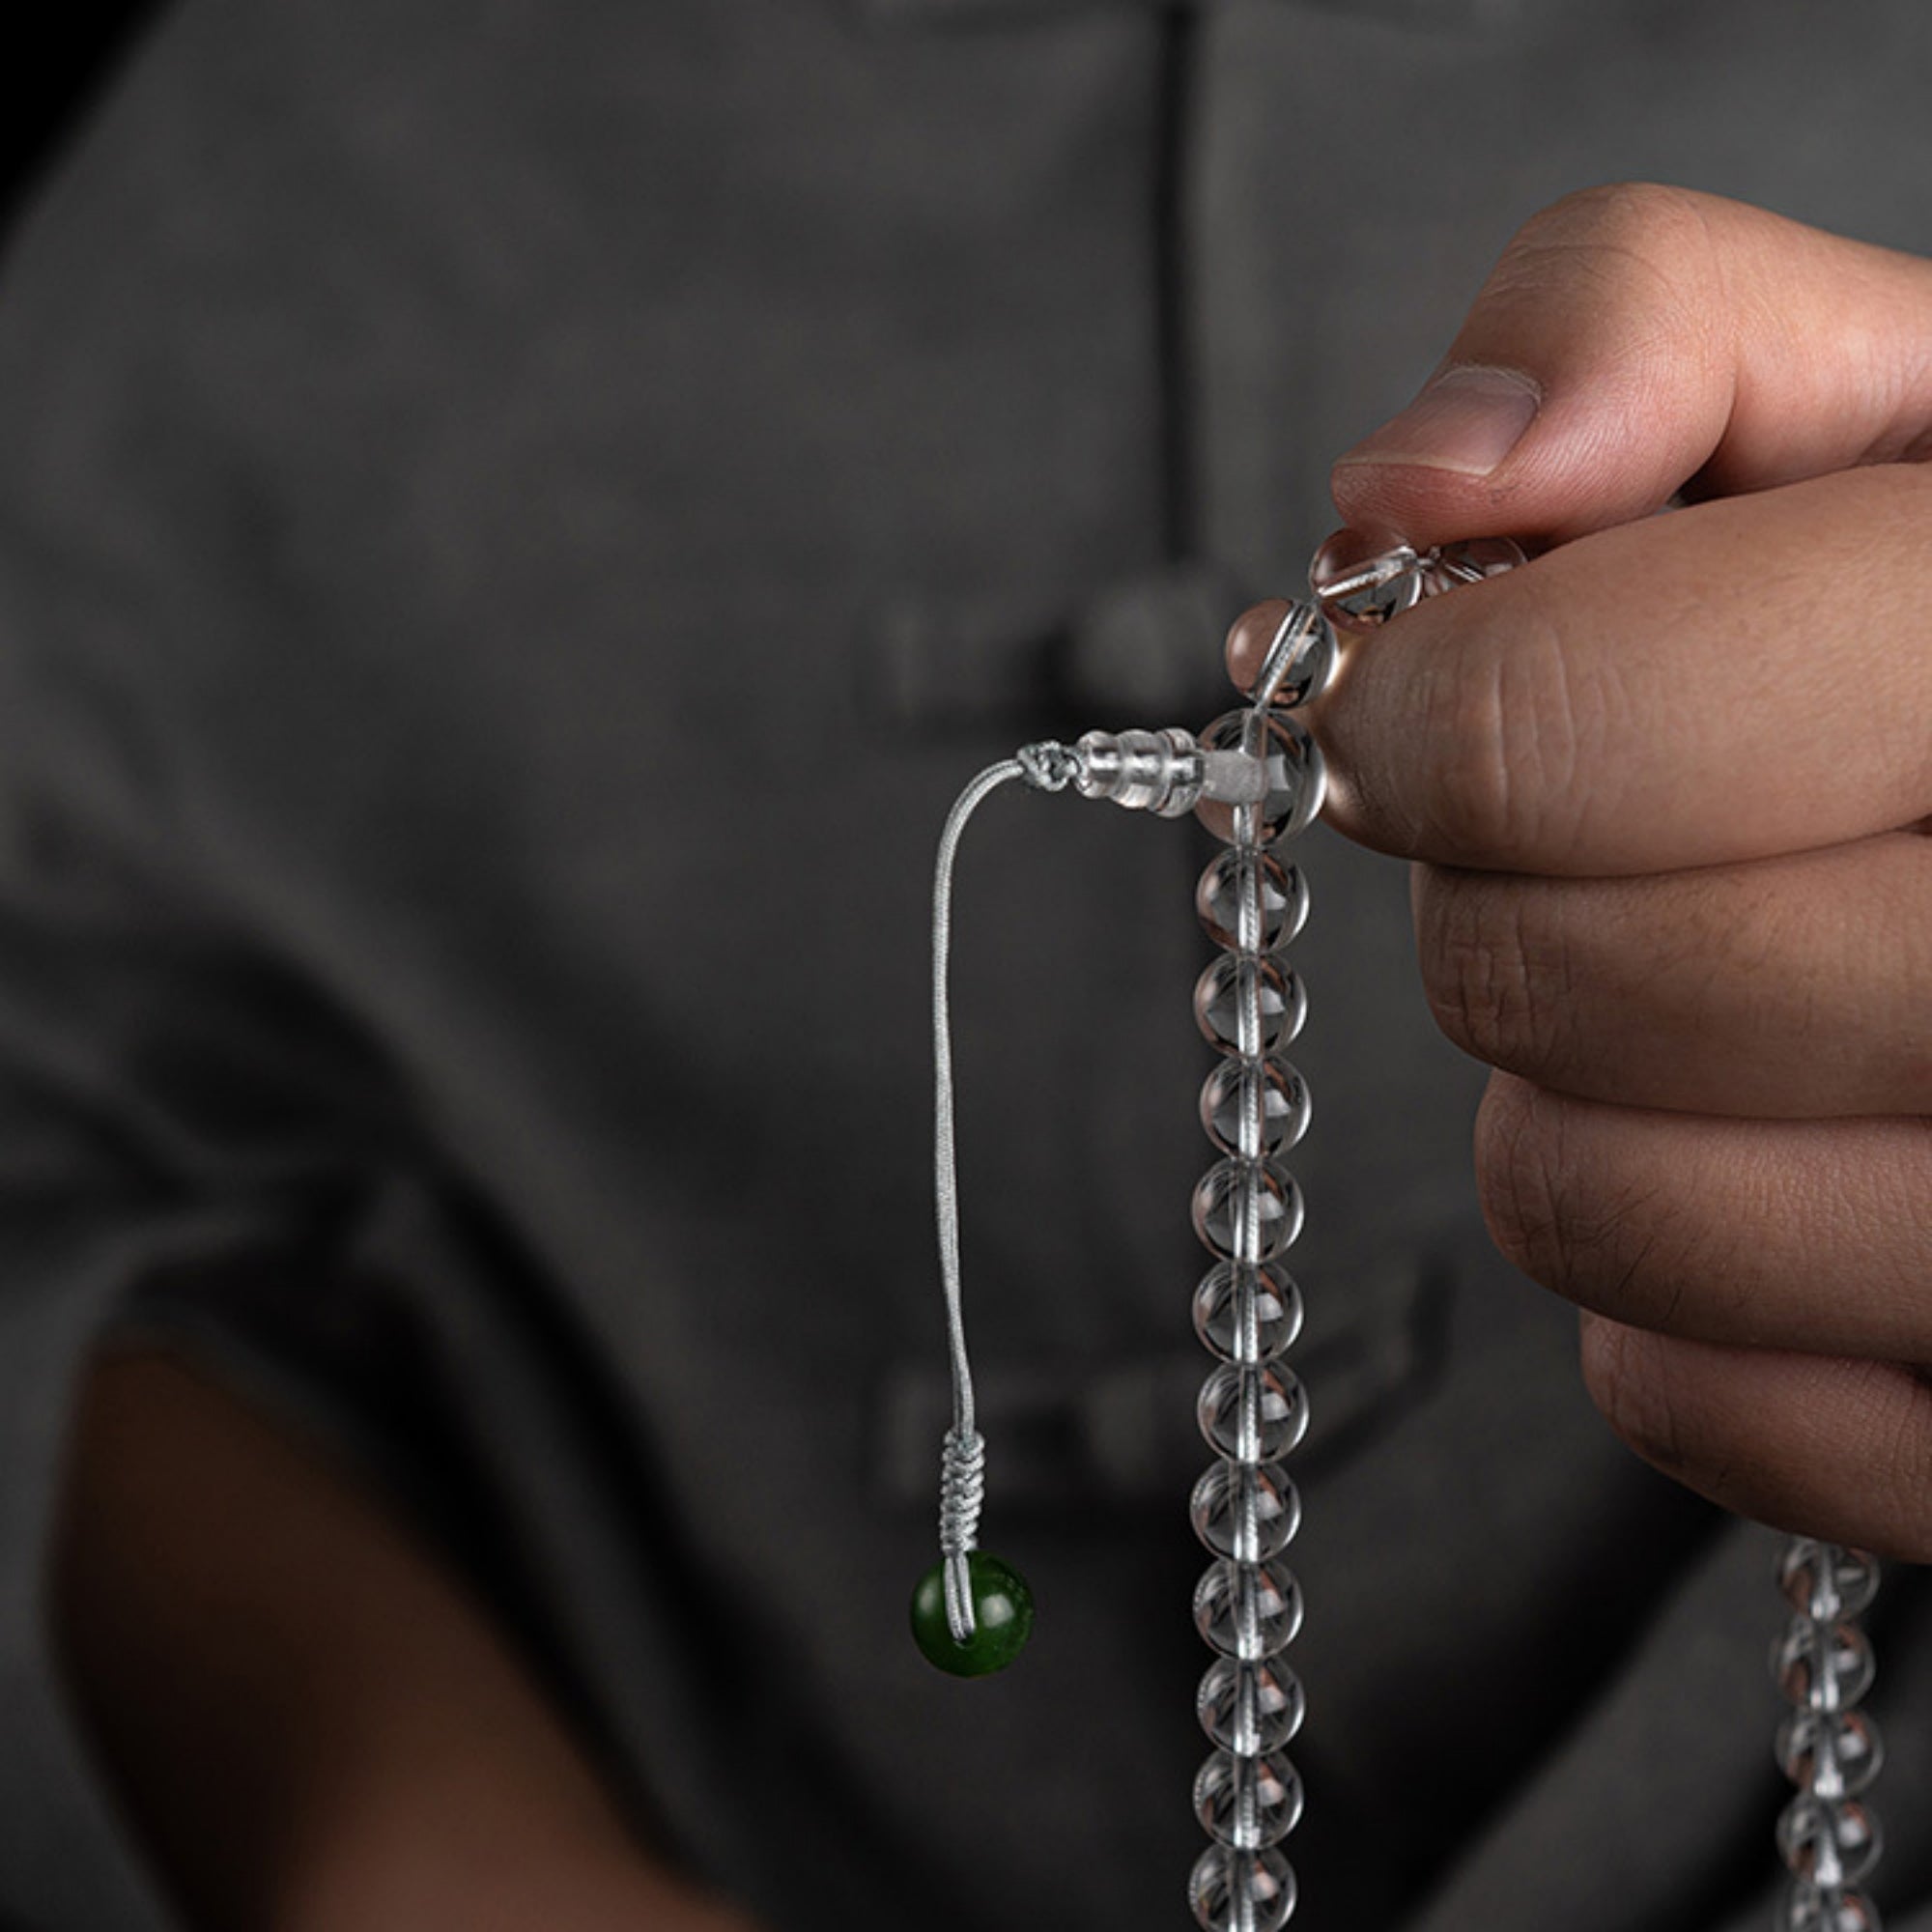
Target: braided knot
962 1491
1049 765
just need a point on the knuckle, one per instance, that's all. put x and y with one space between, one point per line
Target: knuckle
1897 1453
1471 806
1652 257
1512 727
1496 966
1565 1208
1518 1180
1627 1378
1639 214
1662 234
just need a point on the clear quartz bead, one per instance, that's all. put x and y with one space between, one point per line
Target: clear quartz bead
1253 1415
1236 990
1249 1511
1247 1802
1246 1312
1302 660
1263 1101
1831 1754
1243 877
1241 1891
1827 1581
1247 1210
1360 584
1298 779
1469 561
1248 1610
1250 1709
1810 1908
1823 1667
1827 1841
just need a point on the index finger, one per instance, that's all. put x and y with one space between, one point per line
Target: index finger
1742 678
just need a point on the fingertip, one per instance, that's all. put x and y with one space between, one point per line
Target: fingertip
1814 1446
1466 421
1626 1374
1429 470
1390 502
1574 473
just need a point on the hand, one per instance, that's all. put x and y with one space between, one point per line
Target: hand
1668 786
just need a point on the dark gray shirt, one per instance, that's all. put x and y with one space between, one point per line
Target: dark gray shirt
514 523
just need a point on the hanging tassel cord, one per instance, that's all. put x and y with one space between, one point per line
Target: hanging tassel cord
963 1487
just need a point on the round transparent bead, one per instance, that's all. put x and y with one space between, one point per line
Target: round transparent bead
1297 781
1241 1891
1827 1841
1260 1101
1252 1416
1469 561
1248 1803
1247 1210
1245 1312
1248 1510
1302 659
1235 984
1248 1610
1243 876
1250 1709
1360 582
1831 1753
1827 1581
1810 1908
1822 1667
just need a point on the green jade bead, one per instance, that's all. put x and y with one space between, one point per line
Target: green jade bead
1001 1615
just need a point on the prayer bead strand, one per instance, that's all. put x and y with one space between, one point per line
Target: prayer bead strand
1247 1210
1827 1836
1264 777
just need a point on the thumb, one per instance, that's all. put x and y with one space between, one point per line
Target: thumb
1637 341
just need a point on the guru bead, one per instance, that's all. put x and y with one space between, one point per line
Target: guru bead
1002 1617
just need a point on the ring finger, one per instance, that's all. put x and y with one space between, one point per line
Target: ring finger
1804 1235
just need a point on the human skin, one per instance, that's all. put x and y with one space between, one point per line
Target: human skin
310 1723
1667 788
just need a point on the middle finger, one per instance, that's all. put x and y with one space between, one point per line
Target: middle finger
1789 988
